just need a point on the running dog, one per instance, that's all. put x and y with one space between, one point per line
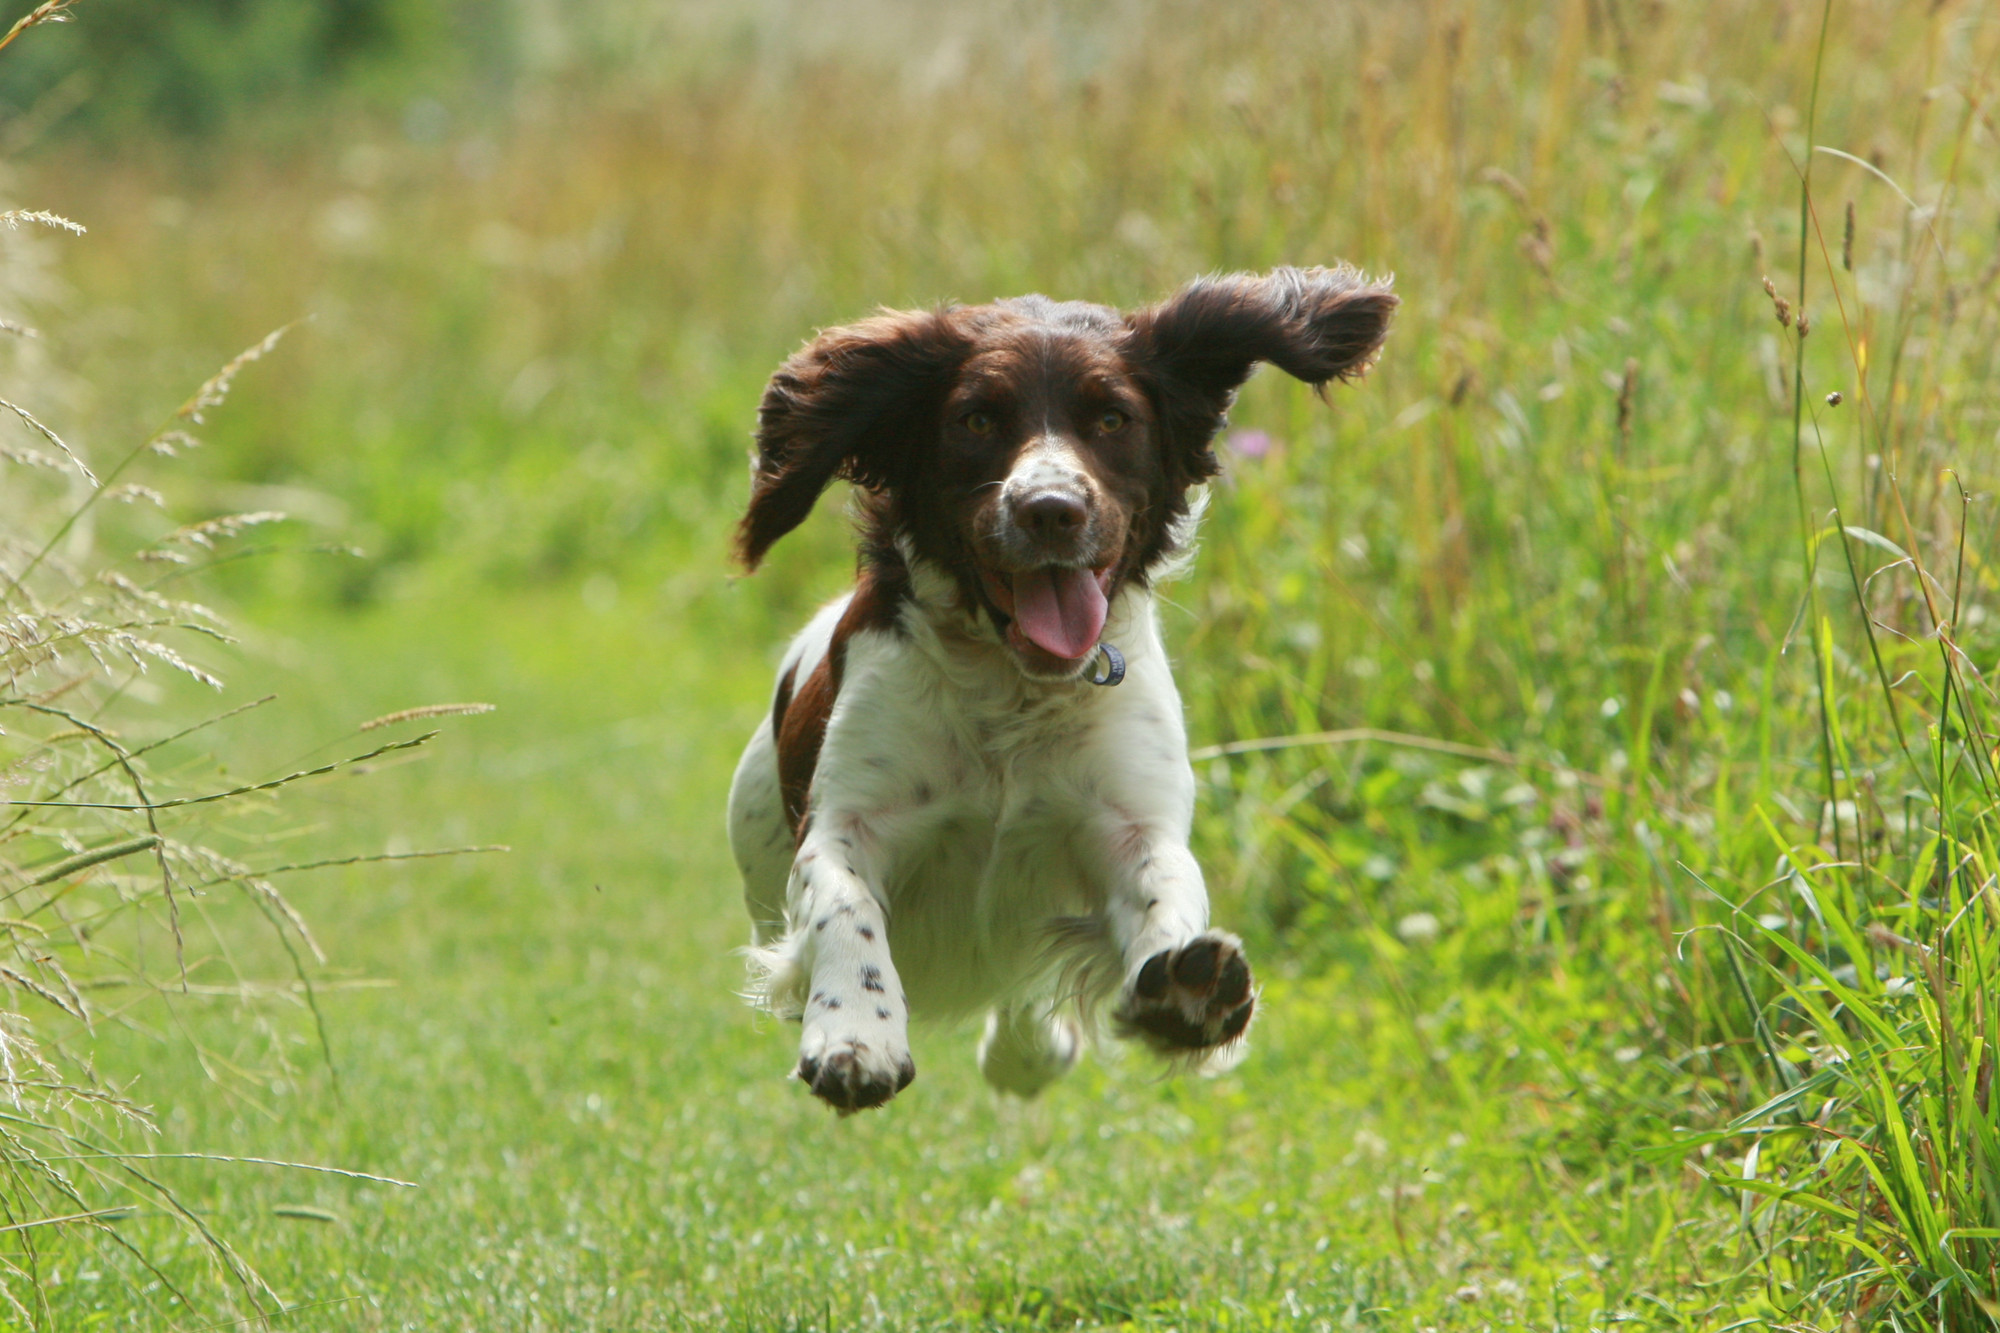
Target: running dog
972 791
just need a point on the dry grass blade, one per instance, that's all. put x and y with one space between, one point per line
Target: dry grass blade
52 438
216 390
14 217
205 534
34 987
170 442
233 792
49 11
32 458
246 1161
44 700
1377 735
476 850
428 710
68 1218
97 856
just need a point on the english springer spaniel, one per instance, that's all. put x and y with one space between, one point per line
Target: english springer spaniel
972 790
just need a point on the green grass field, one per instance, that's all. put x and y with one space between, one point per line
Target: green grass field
604 1137
1627 935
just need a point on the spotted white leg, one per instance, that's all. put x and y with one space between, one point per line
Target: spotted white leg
1187 990
854 1051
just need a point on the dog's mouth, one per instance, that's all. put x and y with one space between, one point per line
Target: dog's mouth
1055 614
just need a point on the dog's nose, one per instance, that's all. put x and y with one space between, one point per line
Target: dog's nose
1051 514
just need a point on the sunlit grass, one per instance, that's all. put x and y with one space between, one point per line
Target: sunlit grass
1642 890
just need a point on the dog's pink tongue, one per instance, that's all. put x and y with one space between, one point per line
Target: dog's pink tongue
1060 610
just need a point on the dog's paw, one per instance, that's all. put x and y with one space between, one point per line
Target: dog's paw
1023 1052
850 1074
1190 1000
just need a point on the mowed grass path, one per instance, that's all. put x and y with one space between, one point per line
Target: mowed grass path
602 1135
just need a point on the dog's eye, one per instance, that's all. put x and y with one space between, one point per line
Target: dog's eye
980 423
1111 421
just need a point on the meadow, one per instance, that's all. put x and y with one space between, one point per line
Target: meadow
1591 707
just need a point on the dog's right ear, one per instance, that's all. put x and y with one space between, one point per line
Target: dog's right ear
857 402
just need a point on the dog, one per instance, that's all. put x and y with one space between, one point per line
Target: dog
971 792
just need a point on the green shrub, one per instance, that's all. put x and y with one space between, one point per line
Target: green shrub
193 67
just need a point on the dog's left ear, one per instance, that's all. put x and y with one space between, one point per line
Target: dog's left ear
1197 347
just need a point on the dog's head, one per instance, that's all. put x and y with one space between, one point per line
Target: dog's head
1039 452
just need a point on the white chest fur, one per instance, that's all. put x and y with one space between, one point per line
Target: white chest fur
978 840
993 811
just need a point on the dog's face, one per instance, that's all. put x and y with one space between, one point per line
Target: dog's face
1048 483
1039 453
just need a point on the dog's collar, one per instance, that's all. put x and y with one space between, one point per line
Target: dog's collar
1114 666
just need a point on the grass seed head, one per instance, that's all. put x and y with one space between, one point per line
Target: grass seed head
217 388
1505 182
14 217
428 710
1778 303
49 11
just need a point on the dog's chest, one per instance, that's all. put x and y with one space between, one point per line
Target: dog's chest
969 791
993 831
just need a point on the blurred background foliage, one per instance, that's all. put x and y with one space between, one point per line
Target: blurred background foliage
199 66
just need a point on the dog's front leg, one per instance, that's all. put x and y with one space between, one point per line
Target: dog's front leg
854 1052
1187 989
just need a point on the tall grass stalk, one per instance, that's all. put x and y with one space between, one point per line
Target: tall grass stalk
1873 1157
109 876
117 870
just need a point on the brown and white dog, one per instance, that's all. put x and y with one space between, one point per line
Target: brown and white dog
943 769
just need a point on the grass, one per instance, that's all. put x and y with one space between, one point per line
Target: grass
604 1136
124 890
1626 927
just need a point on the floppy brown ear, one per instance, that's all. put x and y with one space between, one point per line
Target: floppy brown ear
856 402
1198 346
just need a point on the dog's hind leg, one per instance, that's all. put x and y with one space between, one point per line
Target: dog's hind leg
761 836
1025 1049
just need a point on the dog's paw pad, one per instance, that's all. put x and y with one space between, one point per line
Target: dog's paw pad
1233 987
1194 967
1192 999
851 1077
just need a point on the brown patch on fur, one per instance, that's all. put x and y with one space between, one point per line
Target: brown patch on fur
783 699
799 716
802 733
